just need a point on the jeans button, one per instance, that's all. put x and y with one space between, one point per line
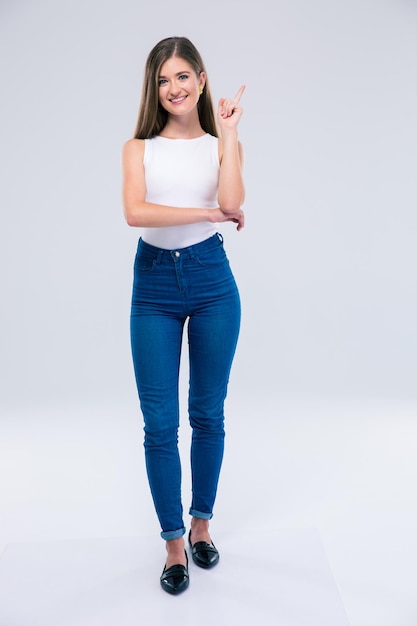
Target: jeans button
177 254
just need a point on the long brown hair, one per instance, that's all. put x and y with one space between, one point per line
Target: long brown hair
152 116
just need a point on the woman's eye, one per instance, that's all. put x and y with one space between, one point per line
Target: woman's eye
183 76
162 81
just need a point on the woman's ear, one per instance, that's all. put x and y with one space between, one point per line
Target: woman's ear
202 78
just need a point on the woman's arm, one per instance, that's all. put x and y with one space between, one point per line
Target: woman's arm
137 211
231 193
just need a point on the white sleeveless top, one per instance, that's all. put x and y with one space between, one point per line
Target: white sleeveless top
181 173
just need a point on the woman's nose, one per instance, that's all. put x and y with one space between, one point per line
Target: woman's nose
175 89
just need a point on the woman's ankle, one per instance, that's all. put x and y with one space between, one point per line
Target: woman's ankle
199 530
175 552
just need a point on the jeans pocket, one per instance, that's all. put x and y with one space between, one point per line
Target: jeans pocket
144 264
212 258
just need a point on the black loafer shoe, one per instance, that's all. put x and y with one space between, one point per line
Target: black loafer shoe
204 554
175 579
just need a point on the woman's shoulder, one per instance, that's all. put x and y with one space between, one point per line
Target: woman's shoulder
133 153
134 148
134 144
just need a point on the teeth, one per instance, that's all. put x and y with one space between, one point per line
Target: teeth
178 99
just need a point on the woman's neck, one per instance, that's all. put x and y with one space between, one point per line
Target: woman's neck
182 127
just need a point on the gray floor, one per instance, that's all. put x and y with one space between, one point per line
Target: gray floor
284 579
315 519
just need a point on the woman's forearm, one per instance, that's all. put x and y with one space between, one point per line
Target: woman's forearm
147 214
231 188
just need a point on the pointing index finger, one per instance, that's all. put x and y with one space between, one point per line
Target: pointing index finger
239 94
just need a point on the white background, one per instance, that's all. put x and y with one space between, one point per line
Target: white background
323 397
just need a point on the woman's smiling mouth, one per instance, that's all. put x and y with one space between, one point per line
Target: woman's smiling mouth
178 100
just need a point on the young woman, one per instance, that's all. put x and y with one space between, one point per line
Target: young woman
179 181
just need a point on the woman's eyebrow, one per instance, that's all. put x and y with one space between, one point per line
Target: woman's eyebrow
177 74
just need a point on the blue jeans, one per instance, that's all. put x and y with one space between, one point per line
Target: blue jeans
171 286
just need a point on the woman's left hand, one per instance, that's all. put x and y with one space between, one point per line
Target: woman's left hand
229 112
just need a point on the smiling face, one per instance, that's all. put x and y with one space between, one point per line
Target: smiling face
179 86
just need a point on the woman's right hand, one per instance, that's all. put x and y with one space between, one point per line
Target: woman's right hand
238 217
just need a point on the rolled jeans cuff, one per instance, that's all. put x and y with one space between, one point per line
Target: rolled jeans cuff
173 534
200 515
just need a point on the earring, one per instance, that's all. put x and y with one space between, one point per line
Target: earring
201 90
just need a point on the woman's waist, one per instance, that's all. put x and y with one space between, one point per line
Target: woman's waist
189 251
178 237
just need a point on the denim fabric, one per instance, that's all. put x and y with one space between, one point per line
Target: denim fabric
171 286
